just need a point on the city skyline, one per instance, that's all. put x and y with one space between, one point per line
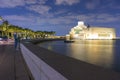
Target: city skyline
61 15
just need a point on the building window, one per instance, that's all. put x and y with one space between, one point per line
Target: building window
104 35
77 31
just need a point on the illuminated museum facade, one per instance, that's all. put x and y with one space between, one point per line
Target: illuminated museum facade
82 31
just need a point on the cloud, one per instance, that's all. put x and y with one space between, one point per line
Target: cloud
66 2
67 20
41 9
102 18
16 18
94 18
107 18
92 4
38 6
15 3
102 4
112 4
11 3
20 20
35 1
33 5
88 18
30 1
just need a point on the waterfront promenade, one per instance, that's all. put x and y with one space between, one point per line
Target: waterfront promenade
47 65
12 66
69 68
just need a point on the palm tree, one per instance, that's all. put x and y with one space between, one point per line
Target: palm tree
1 27
1 18
4 27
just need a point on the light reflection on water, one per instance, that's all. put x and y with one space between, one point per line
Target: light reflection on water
105 53
93 51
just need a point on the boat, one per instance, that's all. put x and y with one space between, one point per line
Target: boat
68 41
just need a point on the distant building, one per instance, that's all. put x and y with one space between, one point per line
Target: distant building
82 31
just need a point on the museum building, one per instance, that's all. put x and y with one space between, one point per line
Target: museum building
81 31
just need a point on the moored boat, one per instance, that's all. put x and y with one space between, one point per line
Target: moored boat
68 41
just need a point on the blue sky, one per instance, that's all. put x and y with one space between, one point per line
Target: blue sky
61 15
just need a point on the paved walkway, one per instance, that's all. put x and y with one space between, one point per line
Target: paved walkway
12 66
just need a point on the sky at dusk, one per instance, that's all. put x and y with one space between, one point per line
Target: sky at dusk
61 15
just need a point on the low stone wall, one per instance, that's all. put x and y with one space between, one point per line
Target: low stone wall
48 65
39 69
35 41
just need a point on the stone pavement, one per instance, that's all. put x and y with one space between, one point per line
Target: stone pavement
12 65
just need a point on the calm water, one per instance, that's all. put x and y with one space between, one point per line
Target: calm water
105 53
